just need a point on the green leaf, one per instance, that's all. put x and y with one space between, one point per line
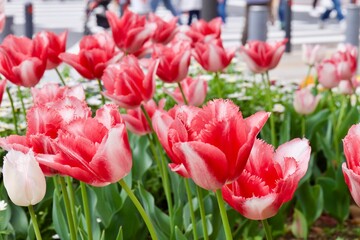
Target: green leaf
5 216
314 122
178 234
299 226
159 219
285 128
59 219
19 220
351 117
109 195
120 234
142 161
310 201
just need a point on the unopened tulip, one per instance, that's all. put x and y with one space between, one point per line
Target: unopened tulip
305 102
327 74
130 32
262 56
174 62
312 54
22 60
212 56
194 90
351 168
126 83
269 179
57 45
96 53
211 144
23 179
93 150
135 119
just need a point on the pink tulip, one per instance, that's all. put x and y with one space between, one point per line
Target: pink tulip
51 92
305 102
135 119
165 31
130 32
269 179
194 90
93 150
346 63
205 31
312 54
211 144
327 74
212 56
174 62
23 179
262 56
22 60
2 89
351 169
96 53
57 45
127 85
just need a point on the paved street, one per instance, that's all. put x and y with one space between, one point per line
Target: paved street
60 15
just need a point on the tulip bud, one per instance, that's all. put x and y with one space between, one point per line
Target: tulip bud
23 179
305 102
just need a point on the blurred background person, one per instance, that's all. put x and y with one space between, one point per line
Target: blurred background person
331 5
221 9
168 5
192 7
141 7
95 18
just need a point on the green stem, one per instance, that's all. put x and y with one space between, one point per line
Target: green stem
191 207
162 166
13 110
337 127
182 94
309 71
71 193
61 78
101 89
218 87
334 123
22 102
68 209
270 108
86 209
303 125
34 221
140 209
267 229
202 212
223 214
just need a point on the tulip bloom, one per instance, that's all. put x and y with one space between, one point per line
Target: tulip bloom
174 62
327 74
93 150
57 45
351 169
52 92
305 102
23 179
135 119
205 31
96 53
127 85
346 63
262 56
22 60
2 89
165 31
130 32
312 54
211 144
212 56
194 90
269 179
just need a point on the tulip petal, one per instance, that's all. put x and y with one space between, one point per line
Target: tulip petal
206 164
